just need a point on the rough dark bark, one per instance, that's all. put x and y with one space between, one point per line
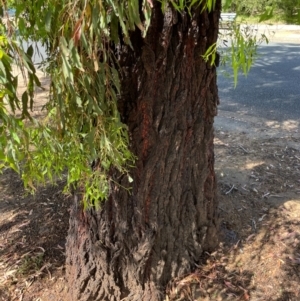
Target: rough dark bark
139 241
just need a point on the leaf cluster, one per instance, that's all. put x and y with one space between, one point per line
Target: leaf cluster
238 47
81 125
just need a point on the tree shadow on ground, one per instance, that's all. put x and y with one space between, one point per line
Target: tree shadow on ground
265 265
33 232
212 281
271 254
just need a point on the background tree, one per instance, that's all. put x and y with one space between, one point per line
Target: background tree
130 122
287 10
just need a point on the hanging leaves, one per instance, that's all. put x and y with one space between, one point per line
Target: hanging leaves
82 122
77 32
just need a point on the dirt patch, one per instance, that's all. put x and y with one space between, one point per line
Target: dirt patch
32 240
259 192
258 171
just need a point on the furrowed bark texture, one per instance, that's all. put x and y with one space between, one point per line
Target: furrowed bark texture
138 242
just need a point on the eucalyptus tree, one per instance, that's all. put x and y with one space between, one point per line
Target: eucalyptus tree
129 121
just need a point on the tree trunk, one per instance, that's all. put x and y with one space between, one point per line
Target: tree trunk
140 239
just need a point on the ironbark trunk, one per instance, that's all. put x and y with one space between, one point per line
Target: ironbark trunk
141 239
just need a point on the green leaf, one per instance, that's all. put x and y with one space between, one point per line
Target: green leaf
29 51
267 15
16 137
48 21
25 103
136 14
226 5
114 28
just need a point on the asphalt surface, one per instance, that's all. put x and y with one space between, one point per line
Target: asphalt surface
272 88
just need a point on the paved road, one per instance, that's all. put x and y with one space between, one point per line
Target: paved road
271 89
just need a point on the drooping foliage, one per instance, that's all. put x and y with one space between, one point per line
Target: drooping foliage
81 124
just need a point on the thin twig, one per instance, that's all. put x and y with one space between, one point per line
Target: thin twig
243 187
253 224
230 189
244 149
223 209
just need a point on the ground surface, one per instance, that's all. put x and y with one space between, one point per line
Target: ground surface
258 170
